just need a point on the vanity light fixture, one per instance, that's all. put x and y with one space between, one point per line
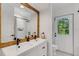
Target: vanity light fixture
21 6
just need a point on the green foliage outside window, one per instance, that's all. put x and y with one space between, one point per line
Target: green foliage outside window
63 26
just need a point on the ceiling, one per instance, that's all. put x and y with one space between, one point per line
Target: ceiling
57 6
40 6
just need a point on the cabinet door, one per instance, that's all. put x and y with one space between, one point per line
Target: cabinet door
42 48
32 52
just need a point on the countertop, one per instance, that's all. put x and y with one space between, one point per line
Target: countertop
25 46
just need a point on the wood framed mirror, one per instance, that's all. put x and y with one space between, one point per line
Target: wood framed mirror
12 42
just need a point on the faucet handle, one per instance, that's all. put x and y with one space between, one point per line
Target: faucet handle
14 38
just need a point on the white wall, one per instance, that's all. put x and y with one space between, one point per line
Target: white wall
47 22
62 9
46 26
7 22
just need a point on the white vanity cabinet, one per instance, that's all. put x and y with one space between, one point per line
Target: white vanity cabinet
42 48
39 50
31 48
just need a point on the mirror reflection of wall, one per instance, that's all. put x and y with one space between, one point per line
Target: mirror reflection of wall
26 21
14 12
7 22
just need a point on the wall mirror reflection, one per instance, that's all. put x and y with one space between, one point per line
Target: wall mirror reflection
25 22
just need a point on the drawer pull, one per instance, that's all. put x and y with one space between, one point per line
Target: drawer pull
43 47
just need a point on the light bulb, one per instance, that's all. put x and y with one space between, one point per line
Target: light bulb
21 6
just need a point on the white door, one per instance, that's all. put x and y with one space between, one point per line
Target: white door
64 33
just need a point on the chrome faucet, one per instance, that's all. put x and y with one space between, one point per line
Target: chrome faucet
17 41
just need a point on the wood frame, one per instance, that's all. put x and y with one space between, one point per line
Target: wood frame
2 45
0 23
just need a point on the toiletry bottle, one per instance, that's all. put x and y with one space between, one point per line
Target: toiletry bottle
34 35
28 38
43 35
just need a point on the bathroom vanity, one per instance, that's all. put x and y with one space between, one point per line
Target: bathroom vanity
32 48
18 20
21 21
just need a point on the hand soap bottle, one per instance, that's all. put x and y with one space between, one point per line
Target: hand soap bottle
43 35
34 35
28 38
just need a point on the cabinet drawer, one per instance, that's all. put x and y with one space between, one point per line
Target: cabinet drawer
43 46
43 49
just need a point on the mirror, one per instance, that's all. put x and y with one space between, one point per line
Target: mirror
17 20
25 21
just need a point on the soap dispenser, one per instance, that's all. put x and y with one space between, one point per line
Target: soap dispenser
34 35
43 35
28 38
